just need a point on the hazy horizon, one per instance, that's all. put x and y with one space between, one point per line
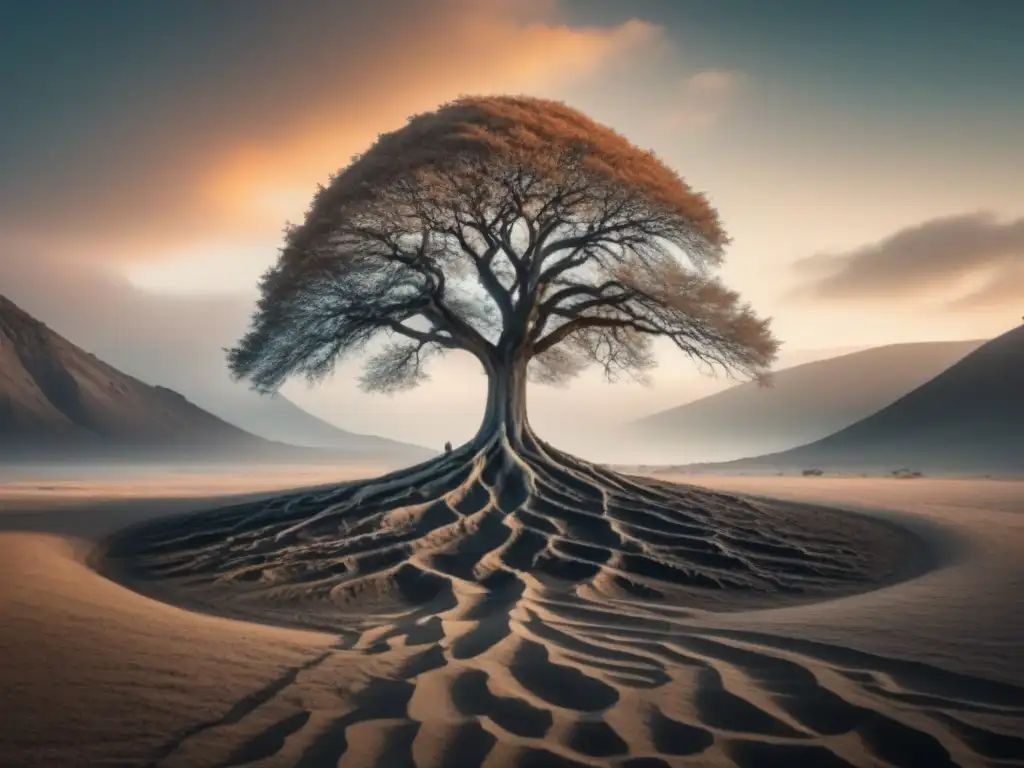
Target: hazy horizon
569 426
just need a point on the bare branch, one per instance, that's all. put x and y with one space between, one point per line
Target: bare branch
557 366
398 367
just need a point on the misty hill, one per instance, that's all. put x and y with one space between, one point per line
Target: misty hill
53 392
968 419
804 403
58 401
278 418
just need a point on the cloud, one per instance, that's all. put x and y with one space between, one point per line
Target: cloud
256 178
1004 287
715 82
704 97
228 142
968 261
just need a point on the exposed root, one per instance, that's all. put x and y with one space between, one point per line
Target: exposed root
493 519
523 606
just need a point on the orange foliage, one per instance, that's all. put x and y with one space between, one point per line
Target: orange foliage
572 233
476 137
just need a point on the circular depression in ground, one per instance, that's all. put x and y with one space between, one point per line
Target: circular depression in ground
542 613
484 533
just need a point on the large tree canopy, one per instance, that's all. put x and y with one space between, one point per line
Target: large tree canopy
516 229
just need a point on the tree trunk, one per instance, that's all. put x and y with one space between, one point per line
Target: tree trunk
506 400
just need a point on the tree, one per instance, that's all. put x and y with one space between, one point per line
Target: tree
540 242
515 229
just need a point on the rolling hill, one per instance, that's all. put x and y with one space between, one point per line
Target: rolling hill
58 401
968 419
278 418
54 394
805 402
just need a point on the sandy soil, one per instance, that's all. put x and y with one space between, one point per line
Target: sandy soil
927 669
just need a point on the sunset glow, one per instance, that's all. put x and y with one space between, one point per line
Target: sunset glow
805 151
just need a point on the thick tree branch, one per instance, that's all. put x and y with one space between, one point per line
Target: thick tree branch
483 262
423 337
597 296
582 323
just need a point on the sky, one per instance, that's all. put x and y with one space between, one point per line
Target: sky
865 157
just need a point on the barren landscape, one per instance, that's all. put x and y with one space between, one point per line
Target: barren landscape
922 665
511 384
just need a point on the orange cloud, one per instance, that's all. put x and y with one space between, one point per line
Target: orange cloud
703 97
714 81
189 165
256 182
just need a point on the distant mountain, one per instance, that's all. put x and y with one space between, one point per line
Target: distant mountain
52 392
58 401
278 418
968 419
804 403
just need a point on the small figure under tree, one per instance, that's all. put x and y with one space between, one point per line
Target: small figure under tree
540 242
